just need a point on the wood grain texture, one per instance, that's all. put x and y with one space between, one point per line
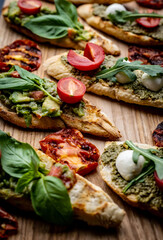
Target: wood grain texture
135 123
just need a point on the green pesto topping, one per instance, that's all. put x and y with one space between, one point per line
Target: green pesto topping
146 191
134 27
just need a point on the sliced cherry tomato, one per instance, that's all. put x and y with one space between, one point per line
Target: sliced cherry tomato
148 22
30 6
93 57
159 181
70 90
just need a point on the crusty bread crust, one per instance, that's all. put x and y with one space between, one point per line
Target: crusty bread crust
131 199
55 68
108 46
93 122
89 202
86 12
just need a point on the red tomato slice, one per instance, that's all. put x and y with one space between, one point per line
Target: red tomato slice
93 57
159 181
29 6
70 90
148 22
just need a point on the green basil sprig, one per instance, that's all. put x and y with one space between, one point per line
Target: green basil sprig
121 17
49 196
28 81
55 26
128 67
152 163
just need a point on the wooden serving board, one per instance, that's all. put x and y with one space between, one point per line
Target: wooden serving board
136 123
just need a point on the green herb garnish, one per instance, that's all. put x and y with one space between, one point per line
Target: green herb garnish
49 196
128 67
121 17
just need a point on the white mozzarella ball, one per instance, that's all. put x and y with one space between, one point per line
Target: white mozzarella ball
122 78
114 7
126 166
152 83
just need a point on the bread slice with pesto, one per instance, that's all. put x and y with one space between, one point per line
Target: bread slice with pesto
144 192
89 202
94 15
131 92
67 41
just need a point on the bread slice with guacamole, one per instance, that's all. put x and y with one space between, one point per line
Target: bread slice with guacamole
117 26
130 171
36 183
110 79
59 28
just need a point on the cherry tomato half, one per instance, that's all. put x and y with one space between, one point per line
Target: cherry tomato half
93 57
70 90
30 6
159 181
148 22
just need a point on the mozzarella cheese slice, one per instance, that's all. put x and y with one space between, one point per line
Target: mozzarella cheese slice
126 166
122 78
152 83
114 7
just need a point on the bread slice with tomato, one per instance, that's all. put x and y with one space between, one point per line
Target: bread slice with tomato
145 194
85 201
67 41
58 67
86 12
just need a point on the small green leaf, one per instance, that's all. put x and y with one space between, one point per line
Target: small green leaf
24 181
51 201
135 156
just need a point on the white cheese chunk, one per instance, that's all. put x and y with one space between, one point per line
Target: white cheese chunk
122 78
114 7
152 83
126 166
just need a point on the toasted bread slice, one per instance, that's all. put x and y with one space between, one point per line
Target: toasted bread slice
57 69
66 42
86 12
132 199
89 202
93 122
95 1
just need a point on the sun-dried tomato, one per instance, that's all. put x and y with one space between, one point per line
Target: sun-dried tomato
158 135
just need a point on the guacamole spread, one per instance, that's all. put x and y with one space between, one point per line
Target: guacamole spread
134 27
145 191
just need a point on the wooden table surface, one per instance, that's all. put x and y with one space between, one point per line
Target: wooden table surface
134 122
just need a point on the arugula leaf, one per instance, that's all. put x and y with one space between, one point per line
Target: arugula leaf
122 17
151 157
49 26
15 84
140 177
128 67
51 201
17 157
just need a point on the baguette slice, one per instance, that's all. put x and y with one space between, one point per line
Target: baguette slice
89 202
57 69
94 1
93 122
86 12
108 46
106 170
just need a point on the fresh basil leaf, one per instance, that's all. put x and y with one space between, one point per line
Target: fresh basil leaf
49 26
128 67
24 181
15 84
51 201
135 156
121 17
148 155
66 9
17 157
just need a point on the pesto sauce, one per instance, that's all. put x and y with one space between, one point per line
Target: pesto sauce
146 191
134 27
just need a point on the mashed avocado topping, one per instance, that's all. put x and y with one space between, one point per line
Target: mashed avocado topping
157 32
135 86
146 191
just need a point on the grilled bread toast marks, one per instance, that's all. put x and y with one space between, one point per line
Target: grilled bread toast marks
106 170
108 46
57 69
89 202
86 12
94 122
